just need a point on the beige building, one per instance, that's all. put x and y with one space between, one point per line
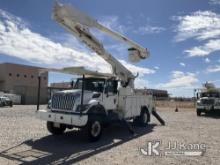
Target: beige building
62 85
23 80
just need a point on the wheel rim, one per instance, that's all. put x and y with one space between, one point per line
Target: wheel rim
96 129
145 118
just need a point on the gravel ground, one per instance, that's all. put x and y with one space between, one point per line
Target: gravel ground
25 140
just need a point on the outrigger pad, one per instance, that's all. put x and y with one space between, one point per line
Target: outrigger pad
162 122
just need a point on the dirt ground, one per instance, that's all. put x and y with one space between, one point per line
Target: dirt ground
25 140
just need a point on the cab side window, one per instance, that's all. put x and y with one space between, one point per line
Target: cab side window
111 86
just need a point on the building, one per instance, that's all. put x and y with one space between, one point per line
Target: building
62 85
59 86
157 93
23 80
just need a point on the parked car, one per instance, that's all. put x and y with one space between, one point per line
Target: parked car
5 101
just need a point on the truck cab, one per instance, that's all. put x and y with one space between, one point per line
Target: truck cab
207 101
93 102
94 90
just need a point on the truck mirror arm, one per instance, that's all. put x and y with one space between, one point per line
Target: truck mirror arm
82 94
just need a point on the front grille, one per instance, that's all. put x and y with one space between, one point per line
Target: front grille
63 101
207 101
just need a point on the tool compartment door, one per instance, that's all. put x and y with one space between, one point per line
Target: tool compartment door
130 106
133 105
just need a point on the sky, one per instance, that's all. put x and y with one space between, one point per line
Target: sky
183 38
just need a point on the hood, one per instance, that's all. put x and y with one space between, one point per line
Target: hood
74 92
207 98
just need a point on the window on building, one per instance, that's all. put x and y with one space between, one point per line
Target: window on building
10 74
45 78
18 75
32 76
25 76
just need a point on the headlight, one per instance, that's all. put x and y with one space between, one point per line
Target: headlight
199 102
82 108
49 104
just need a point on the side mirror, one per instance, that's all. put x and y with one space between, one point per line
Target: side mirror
197 95
96 95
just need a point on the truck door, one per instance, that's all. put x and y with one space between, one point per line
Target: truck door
110 94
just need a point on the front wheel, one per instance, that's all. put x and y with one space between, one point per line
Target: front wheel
55 130
94 130
198 112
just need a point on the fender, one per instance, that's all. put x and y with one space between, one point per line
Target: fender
95 107
97 111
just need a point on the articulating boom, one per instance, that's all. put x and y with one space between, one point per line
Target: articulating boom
79 23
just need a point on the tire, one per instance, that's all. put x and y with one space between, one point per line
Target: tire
55 130
94 129
143 119
198 112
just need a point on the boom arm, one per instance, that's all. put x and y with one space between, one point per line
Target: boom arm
79 23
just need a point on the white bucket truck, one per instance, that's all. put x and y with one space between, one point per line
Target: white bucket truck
97 99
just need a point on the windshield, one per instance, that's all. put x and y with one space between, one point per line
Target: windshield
210 94
91 84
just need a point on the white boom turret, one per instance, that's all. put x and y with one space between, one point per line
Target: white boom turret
79 23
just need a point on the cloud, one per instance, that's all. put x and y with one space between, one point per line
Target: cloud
141 83
135 69
157 67
182 64
207 60
17 40
201 25
213 69
204 50
214 2
147 29
180 80
112 22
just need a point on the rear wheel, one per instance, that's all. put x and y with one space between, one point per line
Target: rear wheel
55 130
143 119
94 129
